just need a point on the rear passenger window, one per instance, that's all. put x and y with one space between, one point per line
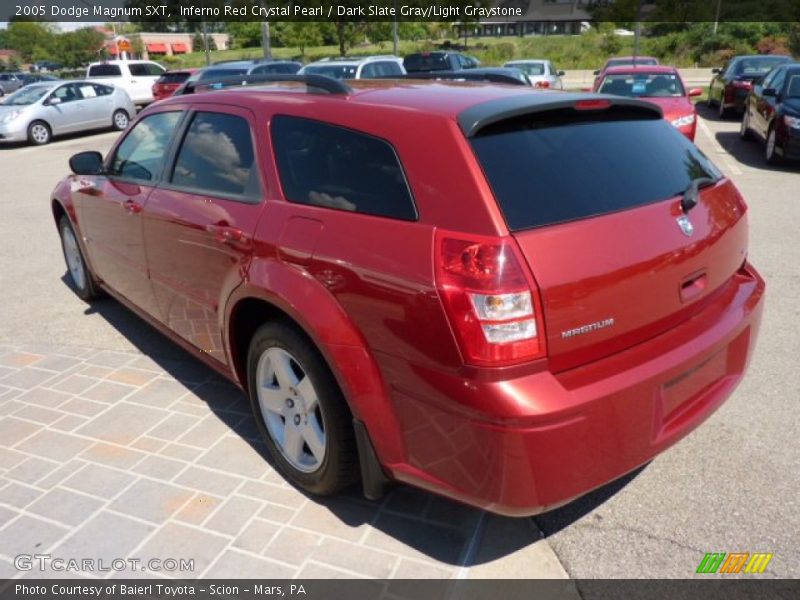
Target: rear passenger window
326 165
217 157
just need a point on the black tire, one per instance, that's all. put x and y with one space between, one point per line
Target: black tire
339 466
39 133
85 286
745 132
770 148
120 120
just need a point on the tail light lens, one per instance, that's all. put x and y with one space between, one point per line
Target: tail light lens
745 85
542 84
491 301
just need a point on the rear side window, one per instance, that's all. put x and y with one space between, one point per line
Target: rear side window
102 90
104 71
326 165
559 166
217 157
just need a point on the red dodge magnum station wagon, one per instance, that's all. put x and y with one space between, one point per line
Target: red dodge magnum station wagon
502 296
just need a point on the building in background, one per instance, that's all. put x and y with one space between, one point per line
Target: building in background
152 46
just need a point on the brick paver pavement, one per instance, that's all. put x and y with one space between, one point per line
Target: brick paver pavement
112 455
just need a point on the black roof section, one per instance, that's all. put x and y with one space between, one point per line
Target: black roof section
479 116
314 83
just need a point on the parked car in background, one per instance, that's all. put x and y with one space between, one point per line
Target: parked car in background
170 81
363 67
772 113
10 82
136 77
733 82
439 60
541 73
44 66
624 61
40 111
30 78
248 67
660 85
503 75
505 297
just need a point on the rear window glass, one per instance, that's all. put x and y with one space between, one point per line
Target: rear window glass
173 77
426 62
642 85
104 71
220 73
758 65
558 167
334 167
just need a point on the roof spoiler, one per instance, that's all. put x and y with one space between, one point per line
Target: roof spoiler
314 83
477 117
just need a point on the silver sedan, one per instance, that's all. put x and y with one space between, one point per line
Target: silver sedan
541 72
39 111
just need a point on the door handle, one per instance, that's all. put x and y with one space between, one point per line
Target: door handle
131 206
225 233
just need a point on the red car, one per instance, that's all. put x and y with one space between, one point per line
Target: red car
657 84
170 81
542 295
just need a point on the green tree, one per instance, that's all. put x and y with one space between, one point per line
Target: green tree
75 48
299 35
244 34
34 41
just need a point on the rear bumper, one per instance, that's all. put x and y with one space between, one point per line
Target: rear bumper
554 437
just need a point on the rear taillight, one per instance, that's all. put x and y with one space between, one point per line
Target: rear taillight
490 299
542 84
745 85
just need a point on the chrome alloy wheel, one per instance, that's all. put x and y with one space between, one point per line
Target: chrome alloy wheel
40 134
291 410
72 253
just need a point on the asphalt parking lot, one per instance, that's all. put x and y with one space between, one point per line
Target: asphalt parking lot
107 427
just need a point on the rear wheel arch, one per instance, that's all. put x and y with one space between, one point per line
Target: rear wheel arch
329 329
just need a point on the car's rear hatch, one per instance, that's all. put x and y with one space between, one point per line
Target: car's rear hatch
593 198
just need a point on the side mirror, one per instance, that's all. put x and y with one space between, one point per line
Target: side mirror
52 101
561 73
716 71
695 92
86 163
770 92
597 72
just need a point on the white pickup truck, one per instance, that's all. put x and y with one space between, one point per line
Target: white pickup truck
134 76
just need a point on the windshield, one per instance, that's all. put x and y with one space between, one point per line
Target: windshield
335 71
643 85
758 65
426 62
532 69
27 95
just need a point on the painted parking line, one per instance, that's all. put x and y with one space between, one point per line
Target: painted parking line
730 163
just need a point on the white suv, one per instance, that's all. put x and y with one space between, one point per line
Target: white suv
134 76
362 67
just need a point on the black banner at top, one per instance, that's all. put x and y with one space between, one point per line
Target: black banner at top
487 11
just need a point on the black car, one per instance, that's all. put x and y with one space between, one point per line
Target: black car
422 62
772 113
30 78
731 84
